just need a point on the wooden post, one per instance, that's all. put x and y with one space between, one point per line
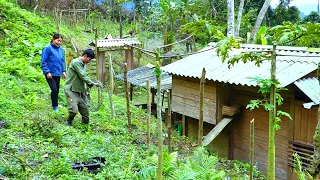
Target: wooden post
251 148
272 115
96 51
129 60
127 96
111 87
169 120
74 14
183 125
148 112
139 55
101 67
121 24
290 170
200 130
160 139
153 91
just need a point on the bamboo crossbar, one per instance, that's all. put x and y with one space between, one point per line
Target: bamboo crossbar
305 165
302 150
300 153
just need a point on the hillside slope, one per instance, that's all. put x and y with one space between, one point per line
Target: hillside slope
35 143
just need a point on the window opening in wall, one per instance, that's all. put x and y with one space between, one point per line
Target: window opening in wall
305 152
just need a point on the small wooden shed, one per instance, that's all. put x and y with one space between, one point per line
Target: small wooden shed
296 70
105 45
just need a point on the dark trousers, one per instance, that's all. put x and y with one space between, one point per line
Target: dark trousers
77 102
54 84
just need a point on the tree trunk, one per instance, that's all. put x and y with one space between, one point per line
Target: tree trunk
239 18
259 20
272 115
230 18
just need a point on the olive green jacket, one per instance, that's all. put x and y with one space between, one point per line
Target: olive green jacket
76 77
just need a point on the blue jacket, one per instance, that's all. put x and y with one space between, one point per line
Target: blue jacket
52 60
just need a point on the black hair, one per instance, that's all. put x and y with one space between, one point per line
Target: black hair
89 53
57 36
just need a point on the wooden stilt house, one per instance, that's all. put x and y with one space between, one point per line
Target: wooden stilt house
296 70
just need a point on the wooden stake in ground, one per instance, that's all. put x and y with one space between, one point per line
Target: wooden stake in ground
200 130
169 120
160 139
148 112
97 61
251 147
111 87
127 96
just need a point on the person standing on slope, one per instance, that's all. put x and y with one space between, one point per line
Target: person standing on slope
53 67
76 87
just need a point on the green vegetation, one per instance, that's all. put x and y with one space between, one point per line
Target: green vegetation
36 144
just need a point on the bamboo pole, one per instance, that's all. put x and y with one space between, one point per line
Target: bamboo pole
96 49
160 139
251 147
97 59
200 129
272 115
148 112
127 96
169 120
111 87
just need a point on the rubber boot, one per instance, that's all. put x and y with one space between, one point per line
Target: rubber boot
70 118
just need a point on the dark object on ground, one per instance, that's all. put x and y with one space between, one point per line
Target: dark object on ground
92 166
137 142
2 124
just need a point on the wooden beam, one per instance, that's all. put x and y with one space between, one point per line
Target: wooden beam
101 67
129 58
216 131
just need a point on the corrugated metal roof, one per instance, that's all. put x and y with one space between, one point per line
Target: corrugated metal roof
311 87
291 65
109 43
139 76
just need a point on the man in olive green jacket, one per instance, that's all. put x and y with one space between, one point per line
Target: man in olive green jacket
75 87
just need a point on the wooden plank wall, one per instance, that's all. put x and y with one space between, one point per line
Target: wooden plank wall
219 144
186 98
241 135
305 122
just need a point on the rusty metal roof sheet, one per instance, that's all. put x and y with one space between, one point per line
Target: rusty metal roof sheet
139 76
110 43
311 87
292 64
